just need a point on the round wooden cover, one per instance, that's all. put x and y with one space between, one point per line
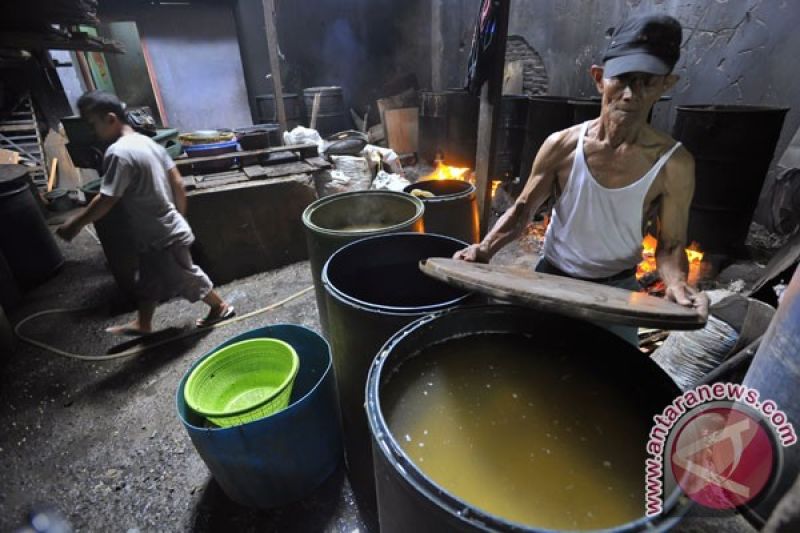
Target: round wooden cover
567 296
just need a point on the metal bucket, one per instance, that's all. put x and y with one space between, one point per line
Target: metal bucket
326 222
282 458
774 373
546 115
374 287
331 115
29 247
292 106
453 211
732 148
510 136
408 500
448 126
585 109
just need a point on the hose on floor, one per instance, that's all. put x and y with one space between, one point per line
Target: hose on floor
139 349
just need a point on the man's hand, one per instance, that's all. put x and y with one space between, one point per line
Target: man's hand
474 253
684 294
69 230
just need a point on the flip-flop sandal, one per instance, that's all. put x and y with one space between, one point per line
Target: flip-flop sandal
206 322
126 331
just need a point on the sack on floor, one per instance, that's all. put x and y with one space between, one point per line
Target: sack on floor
349 174
687 356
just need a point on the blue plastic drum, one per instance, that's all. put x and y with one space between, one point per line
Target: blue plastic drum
282 458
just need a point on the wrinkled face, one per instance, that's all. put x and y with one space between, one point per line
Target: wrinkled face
630 96
107 127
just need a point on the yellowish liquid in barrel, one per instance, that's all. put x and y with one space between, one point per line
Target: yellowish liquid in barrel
524 435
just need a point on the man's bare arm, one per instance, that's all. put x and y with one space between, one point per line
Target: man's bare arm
670 255
178 190
537 190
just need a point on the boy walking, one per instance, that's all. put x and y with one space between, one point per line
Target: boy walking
140 175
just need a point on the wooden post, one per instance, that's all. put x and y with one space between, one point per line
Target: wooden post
86 73
274 61
437 45
489 117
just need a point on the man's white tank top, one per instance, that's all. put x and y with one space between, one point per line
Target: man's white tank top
596 232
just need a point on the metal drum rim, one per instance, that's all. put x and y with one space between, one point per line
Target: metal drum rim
439 198
731 108
309 211
356 303
675 506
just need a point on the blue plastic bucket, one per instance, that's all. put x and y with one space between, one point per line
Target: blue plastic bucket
280 459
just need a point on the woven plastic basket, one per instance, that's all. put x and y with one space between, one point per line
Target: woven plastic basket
243 382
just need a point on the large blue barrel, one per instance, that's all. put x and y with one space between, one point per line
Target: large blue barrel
25 240
282 458
775 372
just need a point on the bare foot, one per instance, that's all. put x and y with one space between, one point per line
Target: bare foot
132 329
223 311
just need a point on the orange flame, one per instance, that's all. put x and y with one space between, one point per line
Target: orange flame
693 254
495 185
445 172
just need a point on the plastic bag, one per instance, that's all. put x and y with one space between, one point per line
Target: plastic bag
301 135
389 158
390 182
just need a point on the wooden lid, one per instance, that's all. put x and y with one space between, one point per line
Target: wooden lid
566 296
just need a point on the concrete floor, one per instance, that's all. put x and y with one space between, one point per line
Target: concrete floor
102 442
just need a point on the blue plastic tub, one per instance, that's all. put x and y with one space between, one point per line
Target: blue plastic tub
207 150
280 459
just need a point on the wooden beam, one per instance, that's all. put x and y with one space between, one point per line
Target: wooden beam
437 45
274 61
58 41
86 72
151 74
489 117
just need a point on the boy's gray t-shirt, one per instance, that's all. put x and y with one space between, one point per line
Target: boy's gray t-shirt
136 171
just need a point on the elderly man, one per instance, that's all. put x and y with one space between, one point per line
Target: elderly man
610 173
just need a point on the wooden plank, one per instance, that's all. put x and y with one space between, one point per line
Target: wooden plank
220 181
300 148
274 62
253 171
8 157
566 296
287 169
319 162
402 129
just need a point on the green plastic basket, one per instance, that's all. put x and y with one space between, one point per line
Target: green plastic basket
243 382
